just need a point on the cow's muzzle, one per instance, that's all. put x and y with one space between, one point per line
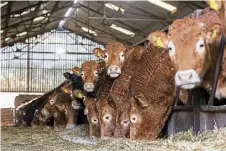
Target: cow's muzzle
89 87
114 71
187 79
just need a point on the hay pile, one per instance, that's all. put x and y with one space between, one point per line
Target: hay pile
42 139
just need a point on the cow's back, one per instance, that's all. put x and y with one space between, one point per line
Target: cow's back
154 80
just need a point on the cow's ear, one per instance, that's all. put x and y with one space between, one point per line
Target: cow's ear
99 53
67 75
138 52
77 71
67 88
141 100
111 102
159 39
101 66
215 4
213 33
79 94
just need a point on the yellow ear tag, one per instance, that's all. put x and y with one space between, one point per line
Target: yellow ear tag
213 5
79 95
159 42
66 91
77 72
98 54
214 34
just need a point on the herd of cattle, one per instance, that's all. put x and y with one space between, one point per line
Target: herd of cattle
129 92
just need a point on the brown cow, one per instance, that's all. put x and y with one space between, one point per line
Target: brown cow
192 49
114 57
92 115
96 82
152 90
121 91
91 73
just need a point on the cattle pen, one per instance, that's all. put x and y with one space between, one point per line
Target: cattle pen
113 75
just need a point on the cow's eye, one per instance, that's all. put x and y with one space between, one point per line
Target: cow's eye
107 118
122 56
125 122
171 49
200 46
95 73
133 119
82 74
106 57
94 120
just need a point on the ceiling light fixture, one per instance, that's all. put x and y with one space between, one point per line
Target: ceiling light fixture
164 5
6 39
62 22
15 15
114 7
2 31
44 11
3 4
123 30
89 31
22 34
38 18
69 12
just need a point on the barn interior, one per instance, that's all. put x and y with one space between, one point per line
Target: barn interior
42 40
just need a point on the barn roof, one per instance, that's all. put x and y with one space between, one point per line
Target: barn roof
96 20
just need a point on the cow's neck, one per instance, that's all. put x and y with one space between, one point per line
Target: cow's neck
212 59
105 86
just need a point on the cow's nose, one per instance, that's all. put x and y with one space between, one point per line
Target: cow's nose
186 77
88 85
113 68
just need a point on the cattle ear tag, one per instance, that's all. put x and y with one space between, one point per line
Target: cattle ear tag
98 53
159 42
214 34
66 91
213 5
79 95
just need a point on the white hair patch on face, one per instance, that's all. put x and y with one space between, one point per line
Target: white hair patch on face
106 57
172 50
122 56
95 73
200 46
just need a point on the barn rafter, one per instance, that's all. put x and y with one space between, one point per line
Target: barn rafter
139 17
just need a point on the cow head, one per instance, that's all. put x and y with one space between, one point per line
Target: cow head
188 43
38 119
114 57
91 112
90 72
139 119
106 109
75 95
122 127
92 116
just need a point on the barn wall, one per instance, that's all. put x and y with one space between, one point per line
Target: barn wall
38 65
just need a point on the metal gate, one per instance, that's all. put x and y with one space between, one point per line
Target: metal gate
38 64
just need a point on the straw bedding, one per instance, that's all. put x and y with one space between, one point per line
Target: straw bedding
44 139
